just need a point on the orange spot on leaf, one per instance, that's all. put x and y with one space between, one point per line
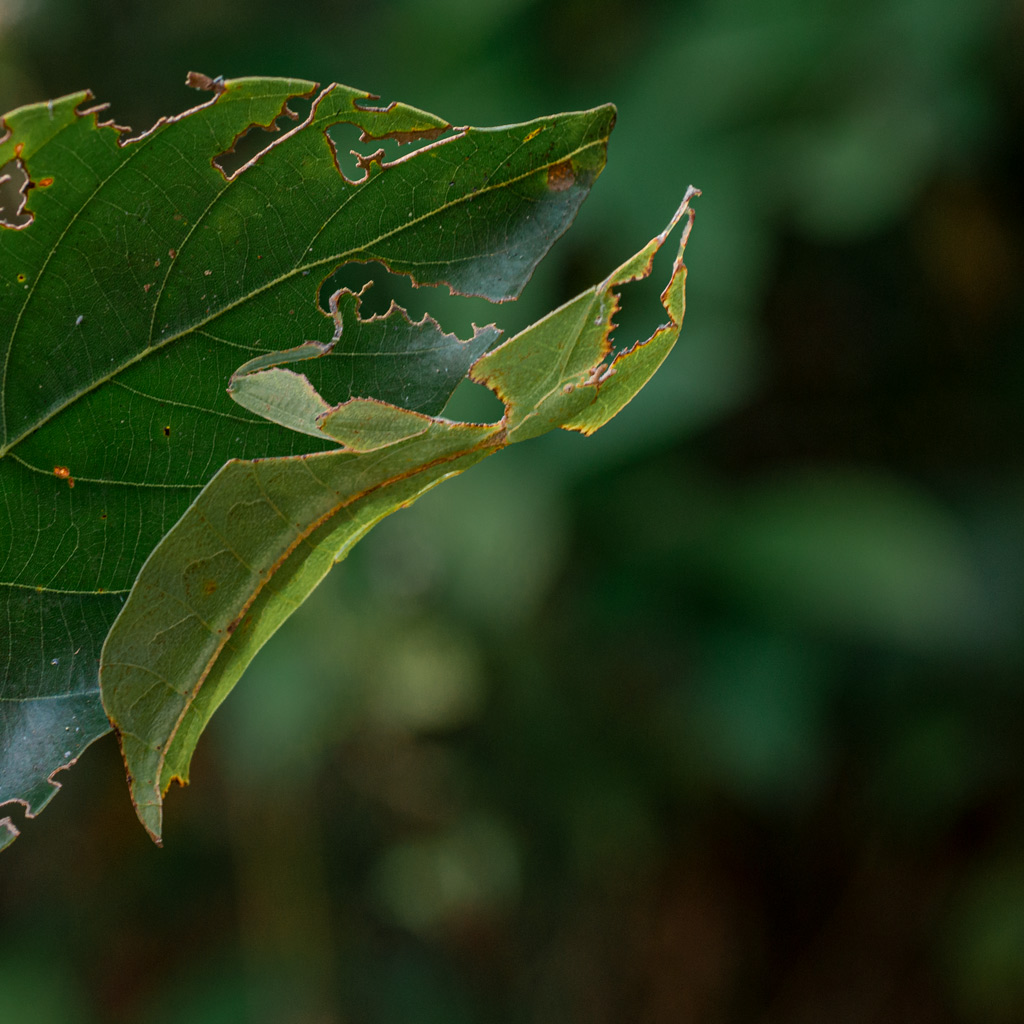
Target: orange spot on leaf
561 176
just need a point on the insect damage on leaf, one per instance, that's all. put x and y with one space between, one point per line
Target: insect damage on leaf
14 187
251 143
313 508
409 363
156 275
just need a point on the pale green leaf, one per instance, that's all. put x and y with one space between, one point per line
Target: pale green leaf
264 532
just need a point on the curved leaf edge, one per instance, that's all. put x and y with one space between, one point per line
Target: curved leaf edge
84 109
576 389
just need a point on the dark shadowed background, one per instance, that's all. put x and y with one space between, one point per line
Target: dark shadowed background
716 716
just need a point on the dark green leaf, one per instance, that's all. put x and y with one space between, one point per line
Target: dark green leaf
137 279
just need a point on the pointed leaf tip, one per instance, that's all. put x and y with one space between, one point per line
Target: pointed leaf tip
263 533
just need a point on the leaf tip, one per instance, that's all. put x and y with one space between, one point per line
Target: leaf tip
8 832
152 817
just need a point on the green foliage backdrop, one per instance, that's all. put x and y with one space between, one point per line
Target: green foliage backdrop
714 716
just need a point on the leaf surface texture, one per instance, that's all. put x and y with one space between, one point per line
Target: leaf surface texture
136 277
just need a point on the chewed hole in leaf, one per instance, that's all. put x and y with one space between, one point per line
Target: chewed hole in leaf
132 113
353 157
640 312
473 403
14 186
376 300
174 289
457 314
374 103
354 150
257 139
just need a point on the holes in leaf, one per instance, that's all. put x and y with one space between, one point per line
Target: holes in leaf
373 102
456 314
353 163
376 301
640 311
14 186
474 403
257 139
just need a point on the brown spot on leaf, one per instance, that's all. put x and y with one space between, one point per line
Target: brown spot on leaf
63 473
210 587
561 176
167 431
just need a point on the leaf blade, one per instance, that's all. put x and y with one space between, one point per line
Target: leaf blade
146 276
157 742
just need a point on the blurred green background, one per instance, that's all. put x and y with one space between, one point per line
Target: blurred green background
716 716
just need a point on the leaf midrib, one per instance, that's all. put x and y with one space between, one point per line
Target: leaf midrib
41 589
